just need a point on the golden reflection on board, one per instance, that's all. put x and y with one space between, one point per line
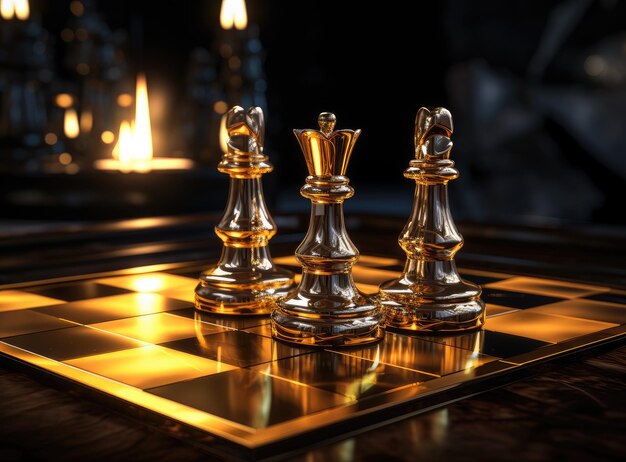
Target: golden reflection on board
421 355
547 287
544 327
112 307
157 328
586 309
18 300
350 376
151 282
149 366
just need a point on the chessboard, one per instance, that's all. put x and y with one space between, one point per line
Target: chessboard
132 340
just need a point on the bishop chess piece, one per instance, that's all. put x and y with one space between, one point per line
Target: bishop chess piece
326 309
430 295
244 280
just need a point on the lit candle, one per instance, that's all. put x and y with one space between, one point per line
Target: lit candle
70 123
133 151
19 9
233 13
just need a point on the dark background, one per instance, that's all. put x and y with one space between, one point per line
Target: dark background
539 126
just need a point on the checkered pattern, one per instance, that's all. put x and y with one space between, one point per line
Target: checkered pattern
138 336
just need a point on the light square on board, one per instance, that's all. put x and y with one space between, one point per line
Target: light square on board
544 327
150 282
547 287
586 309
158 327
11 300
183 293
149 366
113 307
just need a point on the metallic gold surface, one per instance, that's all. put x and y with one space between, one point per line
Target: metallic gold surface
150 282
114 307
284 392
149 366
327 309
586 309
546 287
245 280
157 328
200 419
181 293
430 296
18 300
545 327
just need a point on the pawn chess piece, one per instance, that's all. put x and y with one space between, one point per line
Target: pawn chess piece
430 295
326 309
245 280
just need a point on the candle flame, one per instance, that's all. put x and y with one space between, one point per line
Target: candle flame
223 135
22 9
15 8
123 149
6 9
142 135
134 142
70 123
233 13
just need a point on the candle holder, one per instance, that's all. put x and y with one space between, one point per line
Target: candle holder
245 280
327 309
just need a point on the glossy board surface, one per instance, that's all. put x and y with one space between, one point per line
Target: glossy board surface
135 337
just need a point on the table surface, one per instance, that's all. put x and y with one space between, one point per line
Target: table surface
571 410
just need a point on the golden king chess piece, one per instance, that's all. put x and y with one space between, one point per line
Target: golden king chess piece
245 279
430 295
326 309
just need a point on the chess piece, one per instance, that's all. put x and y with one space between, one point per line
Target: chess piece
327 309
430 295
245 279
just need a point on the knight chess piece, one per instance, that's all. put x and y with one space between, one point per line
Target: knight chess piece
244 280
430 295
327 309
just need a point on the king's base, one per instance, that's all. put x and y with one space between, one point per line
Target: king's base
434 317
358 323
252 294
432 307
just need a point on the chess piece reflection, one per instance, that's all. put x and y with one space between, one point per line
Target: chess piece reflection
245 279
430 295
326 308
